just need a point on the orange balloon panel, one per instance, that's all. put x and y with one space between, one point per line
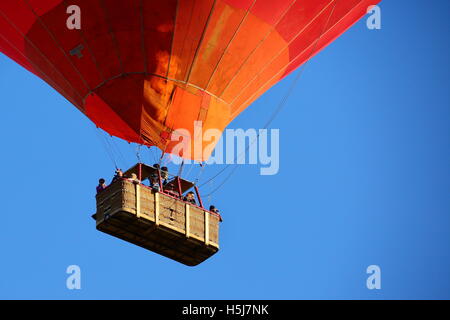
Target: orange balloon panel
140 69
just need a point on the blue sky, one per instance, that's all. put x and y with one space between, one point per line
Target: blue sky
364 179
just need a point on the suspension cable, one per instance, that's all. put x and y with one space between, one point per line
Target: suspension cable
115 147
105 146
138 153
202 168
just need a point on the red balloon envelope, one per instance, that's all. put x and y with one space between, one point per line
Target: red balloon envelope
140 69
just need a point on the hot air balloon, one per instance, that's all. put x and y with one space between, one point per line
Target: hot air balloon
141 69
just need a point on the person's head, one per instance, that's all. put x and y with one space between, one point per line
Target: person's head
101 181
134 176
119 172
190 195
164 172
154 178
212 208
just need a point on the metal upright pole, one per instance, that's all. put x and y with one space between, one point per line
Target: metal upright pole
198 196
179 186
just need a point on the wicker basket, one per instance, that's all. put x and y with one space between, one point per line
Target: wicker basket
157 222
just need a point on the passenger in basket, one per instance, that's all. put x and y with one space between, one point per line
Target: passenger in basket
170 190
101 185
190 197
164 175
215 210
118 175
134 178
154 182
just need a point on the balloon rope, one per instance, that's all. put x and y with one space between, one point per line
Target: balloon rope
114 146
105 146
138 153
180 170
202 166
